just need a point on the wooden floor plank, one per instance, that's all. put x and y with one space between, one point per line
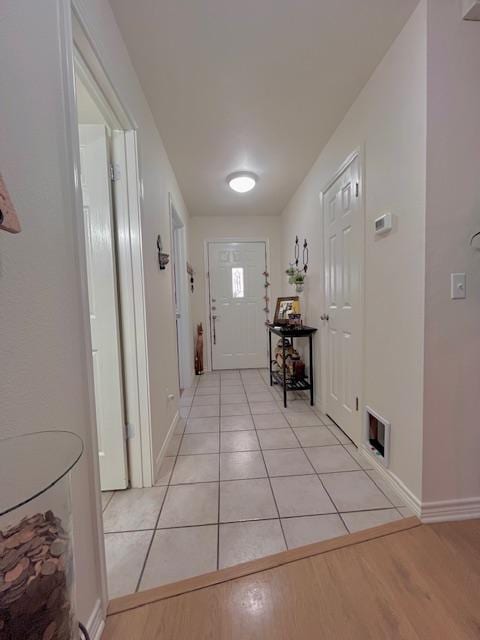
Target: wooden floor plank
416 584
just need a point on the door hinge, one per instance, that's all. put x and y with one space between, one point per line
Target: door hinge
115 173
357 189
356 403
129 431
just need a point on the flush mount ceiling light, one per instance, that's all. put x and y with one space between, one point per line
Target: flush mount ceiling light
242 181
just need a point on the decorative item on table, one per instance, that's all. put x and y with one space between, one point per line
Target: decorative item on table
298 370
163 258
278 354
8 216
284 309
191 274
294 365
295 320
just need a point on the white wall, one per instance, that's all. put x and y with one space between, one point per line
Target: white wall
42 322
204 228
452 328
389 120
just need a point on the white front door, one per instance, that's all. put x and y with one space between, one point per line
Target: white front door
343 233
102 293
237 290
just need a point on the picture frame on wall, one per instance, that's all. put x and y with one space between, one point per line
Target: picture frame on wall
286 306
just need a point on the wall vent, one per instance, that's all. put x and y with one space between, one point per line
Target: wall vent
377 436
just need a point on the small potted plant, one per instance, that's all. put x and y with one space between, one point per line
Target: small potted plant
291 271
299 281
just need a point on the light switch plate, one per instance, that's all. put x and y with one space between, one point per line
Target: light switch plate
458 286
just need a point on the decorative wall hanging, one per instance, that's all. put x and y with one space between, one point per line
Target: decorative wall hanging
8 216
266 297
163 258
296 276
191 274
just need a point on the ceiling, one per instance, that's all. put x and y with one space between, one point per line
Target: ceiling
258 85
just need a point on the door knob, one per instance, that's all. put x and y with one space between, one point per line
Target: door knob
324 316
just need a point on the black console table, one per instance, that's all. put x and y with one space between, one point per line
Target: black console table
288 384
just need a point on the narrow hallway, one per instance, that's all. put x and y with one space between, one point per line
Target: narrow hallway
245 478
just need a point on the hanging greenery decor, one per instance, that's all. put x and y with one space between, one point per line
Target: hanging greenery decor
296 276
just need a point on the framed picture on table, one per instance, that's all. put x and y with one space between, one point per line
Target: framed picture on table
285 308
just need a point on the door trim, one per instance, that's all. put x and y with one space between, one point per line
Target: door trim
357 154
133 317
75 34
185 337
207 325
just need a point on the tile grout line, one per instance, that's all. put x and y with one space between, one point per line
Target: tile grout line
218 490
318 476
108 502
291 475
163 503
269 481
210 524
150 544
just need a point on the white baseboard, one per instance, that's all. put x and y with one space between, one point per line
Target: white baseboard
96 622
428 512
410 499
163 450
447 510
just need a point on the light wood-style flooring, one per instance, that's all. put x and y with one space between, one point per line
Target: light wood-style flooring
400 581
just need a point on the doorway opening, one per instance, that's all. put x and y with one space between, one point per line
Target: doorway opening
109 234
99 197
237 303
181 297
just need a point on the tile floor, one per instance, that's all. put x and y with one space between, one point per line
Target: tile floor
244 478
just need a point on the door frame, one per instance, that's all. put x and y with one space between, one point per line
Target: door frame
185 336
118 465
207 323
131 294
75 34
357 154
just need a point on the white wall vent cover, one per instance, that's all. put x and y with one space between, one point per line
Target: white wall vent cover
377 436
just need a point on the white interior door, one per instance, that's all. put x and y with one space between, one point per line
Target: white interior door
343 226
237 290
102 292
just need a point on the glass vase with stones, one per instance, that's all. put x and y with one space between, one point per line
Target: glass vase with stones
36 549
